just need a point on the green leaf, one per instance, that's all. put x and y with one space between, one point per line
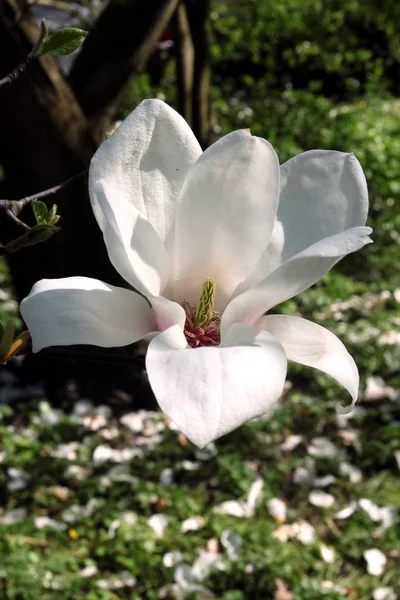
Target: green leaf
51 214
39 233
44 32
39 210
63 41
54 220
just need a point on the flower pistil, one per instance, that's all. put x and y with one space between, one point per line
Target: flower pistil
202 325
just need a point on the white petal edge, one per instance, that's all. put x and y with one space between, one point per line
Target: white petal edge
146 160
81 310
310 344
293 277
134 247
210 391
167 313
225 214
323 192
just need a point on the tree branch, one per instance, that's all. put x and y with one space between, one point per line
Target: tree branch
12 208
45 139
117 49
184 63
22 202
199 21
15 73
21 68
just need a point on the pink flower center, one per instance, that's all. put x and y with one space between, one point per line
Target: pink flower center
203 334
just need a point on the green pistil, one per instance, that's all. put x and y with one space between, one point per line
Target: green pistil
205 305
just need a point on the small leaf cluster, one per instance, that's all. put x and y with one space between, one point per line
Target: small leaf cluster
61 42
43 215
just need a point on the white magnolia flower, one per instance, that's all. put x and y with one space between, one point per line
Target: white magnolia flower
211 241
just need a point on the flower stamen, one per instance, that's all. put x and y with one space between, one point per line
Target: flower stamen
202 325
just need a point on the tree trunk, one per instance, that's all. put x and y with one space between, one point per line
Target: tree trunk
44 141
49 133
199 22
184 64
122 27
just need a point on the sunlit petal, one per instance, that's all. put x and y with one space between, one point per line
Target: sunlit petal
294 276
226 213
80 310
210 391
314 346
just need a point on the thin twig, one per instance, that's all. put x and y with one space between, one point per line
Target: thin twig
34 53
15 73
53 190
12 208
15 206
11 216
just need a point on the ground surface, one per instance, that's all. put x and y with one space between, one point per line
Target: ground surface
102 507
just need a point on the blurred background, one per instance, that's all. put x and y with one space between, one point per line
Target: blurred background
101 498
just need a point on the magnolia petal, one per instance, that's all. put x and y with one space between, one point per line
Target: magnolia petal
226 212
167 313
210 391
323 192
146 160
293 277
314 346
133 245
80 310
